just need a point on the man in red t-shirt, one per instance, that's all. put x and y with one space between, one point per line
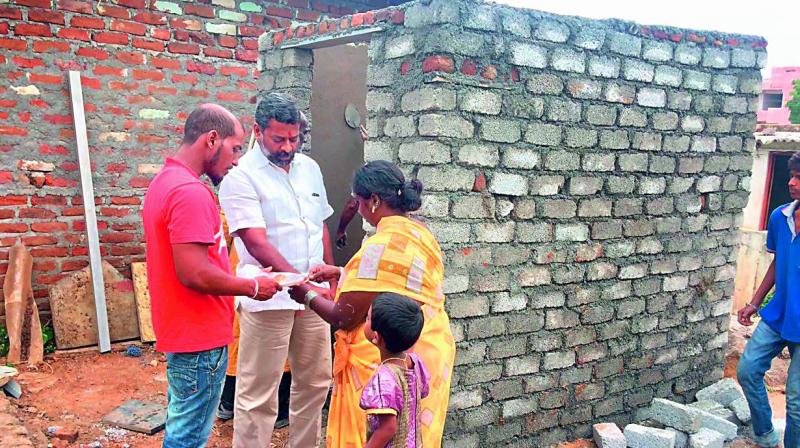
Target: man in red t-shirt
190 282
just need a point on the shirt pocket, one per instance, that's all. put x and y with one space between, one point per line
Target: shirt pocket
311 206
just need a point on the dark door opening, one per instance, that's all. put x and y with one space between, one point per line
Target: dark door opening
340 79
777 190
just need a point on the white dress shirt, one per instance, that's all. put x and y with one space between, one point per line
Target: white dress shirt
292 207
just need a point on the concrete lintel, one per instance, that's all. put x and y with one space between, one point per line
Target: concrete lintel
359 35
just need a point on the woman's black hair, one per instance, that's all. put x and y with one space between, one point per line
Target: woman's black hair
398 320
385 180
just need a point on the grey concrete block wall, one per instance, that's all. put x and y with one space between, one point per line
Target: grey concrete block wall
585 180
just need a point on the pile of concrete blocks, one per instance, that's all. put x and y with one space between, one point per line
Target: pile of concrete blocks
709 422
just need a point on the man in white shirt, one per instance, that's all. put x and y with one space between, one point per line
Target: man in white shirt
276 206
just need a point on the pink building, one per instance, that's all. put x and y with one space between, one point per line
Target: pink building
776 91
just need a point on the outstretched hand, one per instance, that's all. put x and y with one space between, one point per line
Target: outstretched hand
324 273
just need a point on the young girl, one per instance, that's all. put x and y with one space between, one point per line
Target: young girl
392 396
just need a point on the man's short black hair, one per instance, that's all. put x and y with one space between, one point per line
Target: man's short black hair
398 319
208 118
279 107
794 162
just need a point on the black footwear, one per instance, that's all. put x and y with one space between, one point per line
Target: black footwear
282 423
224 413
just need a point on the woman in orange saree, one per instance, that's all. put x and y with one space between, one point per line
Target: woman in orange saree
402 257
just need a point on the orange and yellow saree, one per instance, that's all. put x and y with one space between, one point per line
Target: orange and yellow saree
402 257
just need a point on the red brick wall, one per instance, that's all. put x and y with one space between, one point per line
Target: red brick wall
145 64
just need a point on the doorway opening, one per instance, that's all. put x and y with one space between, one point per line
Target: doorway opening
338 108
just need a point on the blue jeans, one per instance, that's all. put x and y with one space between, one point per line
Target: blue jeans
195 386
759 352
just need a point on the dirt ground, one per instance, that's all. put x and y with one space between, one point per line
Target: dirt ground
75 391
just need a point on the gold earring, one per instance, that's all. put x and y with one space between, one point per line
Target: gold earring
374 207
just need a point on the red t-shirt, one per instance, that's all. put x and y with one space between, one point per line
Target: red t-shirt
180 208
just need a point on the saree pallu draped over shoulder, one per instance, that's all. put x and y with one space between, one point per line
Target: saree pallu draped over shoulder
402 257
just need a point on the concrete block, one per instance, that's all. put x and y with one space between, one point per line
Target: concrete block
668 76
648 97
566 60
445 126
509 184
516 22
399 46
675 415
543 134
681 438
741 409
688 55
545 83
710 421
724 392
424 153
521 158
604 66
608 435
479 155
716 57
527 55
482 17
428 99
502 131
590 38
625 44
657 51
635 70
706 438
638 436
552 31
743 57
482 102
563 110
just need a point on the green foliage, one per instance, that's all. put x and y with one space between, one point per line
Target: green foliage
48 336
767 299
794 104
4 344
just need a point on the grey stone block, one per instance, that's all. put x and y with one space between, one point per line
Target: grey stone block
743 57
668 76
521 158
620 93
482 17
608 435
624 44
527 55
509 184
516 22
428 99
584 88
546 185
545 83
445 126
706 438
635 70
638 436
590 38
563 110
741 409
725 84
580 137
399 46
598 162
424 153
503 131
543 134
675 415
648 97
552 31
566 60
481 101
602 115
681 438
604 66
724 392
716 57
657 51
688 54
665 121
380 101
719 424
478 155
614 139
696 80
679 99
400 126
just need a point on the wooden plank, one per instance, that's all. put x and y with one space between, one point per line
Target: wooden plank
76 92
142 302
138 416
360 35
